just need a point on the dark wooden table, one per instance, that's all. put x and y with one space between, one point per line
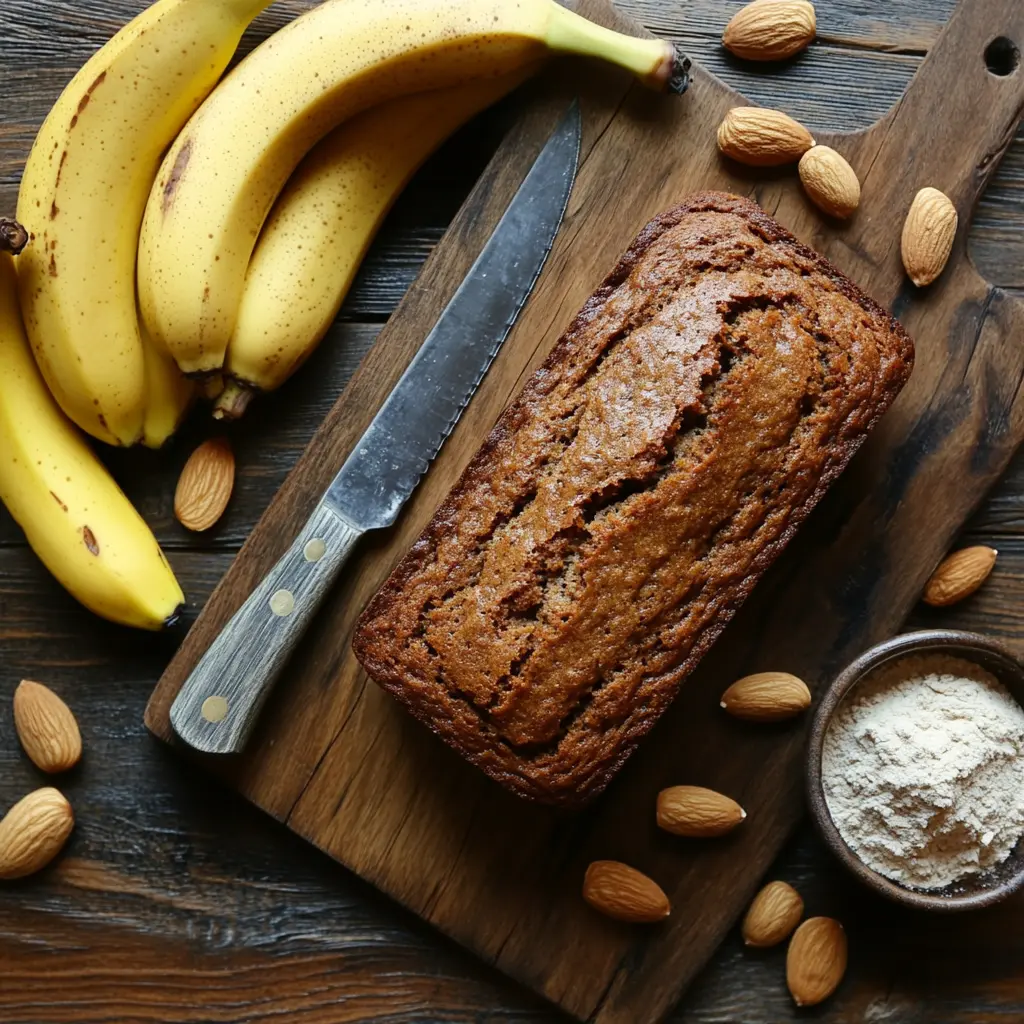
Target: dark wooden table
175 901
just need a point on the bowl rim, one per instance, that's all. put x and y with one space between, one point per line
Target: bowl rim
955 642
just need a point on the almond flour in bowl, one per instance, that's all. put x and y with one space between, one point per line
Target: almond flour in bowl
922 769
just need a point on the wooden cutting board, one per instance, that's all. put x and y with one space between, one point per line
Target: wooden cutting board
342 765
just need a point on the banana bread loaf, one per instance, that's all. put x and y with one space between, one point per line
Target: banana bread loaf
624 506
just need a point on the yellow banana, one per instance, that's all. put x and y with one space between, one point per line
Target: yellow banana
74 515
83 194
322 224
223 173
169 394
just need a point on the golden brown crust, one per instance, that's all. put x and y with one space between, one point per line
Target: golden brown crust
626 503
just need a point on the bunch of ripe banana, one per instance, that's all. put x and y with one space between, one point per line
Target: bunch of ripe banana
151 270
74 515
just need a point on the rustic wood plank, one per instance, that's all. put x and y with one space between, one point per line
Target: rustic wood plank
203 889
44 49
345 769
119 937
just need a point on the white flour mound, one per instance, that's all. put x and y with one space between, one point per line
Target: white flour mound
923 770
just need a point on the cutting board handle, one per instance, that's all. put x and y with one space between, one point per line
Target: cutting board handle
933 135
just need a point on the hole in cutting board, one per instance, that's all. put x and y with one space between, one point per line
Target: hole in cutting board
1002 56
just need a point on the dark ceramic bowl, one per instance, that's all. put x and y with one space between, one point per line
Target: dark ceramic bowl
975 891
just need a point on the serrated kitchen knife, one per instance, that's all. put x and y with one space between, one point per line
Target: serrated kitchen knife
220 701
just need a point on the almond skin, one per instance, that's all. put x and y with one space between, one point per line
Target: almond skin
770 29
761 137
33 832
205 485
928 234
959 575
619 891
46 727
816 960
697 812
767 697
830 182
773 915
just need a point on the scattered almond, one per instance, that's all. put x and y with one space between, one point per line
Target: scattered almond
762 138
205 485
829 181
959 575
816 960
617 890
928 234
697 812
770 29
773 915
33 832
46 727
767 697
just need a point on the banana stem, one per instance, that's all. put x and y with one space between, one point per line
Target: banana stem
232 401
13 237
654 61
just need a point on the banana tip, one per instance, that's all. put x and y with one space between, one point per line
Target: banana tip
13 237
674 72
175 617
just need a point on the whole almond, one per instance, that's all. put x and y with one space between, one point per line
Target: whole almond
762 138
33 832
770 29
959 575
773 915
829 181
617 890
767 697
205 485
697 812
928 234
816 960
46 727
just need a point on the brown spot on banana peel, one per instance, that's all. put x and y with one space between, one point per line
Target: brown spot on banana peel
100 79
13 237
84 101
177 171
59 502
54 210
53 265
90 541
60 167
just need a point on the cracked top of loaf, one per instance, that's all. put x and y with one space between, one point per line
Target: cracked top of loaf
626 503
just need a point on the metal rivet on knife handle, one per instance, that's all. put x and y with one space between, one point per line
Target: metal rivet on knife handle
282 603
314 550
215 709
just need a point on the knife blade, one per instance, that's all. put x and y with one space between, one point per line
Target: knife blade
219 703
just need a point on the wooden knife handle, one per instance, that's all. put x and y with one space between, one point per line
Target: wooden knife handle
218 706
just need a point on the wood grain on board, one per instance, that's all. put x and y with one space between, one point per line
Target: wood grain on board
177 901
343 767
